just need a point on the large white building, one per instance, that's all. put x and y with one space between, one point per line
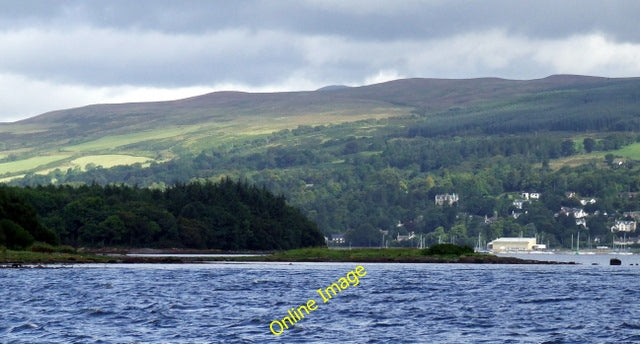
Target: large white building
506 244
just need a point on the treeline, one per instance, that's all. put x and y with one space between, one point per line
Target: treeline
611 108
514 123
431 154
225 215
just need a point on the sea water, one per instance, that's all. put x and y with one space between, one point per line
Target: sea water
392 303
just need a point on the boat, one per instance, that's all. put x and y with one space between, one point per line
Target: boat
480 248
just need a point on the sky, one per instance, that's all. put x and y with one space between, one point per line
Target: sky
69 53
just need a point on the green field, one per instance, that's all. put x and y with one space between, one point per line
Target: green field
48 163
631 151
9 179
577 160
30 163
114 141
109 160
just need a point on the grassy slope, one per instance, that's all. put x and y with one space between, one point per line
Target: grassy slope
159 130
631 151
32 163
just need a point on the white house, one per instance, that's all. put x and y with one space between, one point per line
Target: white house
446 198
578 213
588 201
624 226
406 237
519 203
337 239
530 195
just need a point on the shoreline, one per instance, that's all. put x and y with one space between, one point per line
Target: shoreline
27 259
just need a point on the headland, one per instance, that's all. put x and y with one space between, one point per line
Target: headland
445 254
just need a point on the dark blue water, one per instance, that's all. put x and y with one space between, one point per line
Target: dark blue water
394 303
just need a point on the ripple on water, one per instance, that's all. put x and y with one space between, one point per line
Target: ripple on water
399 303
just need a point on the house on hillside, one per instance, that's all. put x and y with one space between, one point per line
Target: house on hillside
530 195
490 220
588 201
578 213
519 203
618 162
624 226
449 199
405 237
337 239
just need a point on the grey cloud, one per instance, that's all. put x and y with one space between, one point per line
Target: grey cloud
99 57
79 50
408 19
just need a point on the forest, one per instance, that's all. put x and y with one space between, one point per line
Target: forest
226 215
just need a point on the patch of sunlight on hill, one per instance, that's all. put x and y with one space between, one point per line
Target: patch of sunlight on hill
8 179
631 151
262 126
21 129
30 163
576 160
109 160
114 141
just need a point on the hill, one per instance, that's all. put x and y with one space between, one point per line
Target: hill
367 162
160 131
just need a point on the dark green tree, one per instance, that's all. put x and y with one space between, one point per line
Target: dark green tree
589 144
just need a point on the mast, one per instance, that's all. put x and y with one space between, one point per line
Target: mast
571 241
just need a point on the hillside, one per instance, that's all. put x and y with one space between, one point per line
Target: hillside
160 131
358 160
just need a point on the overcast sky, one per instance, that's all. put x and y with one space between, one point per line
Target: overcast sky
61 54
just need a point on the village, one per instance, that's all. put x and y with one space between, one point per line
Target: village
622 228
